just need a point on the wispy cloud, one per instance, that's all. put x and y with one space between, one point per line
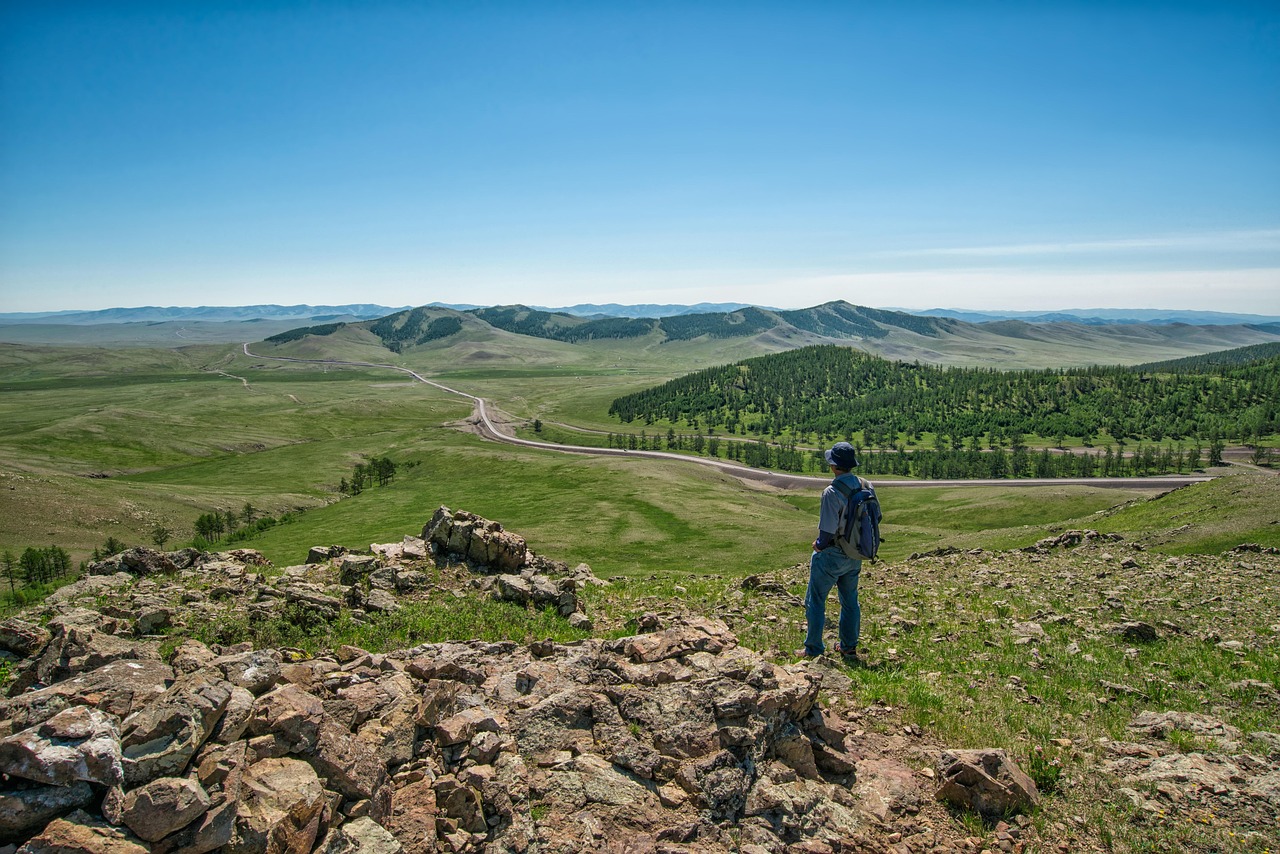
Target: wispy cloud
1254 291
1237 241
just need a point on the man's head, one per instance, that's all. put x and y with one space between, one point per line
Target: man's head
841 457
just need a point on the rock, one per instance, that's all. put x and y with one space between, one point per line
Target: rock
78 744
119 688
459 728
25 810
235 718
1161 724
162 806
280 807
698 634
349 767
191 656
21 638
1028 630
81 833
481 541
362 836
256 672
1136 632
985 781
580 621
355 569
461 803
380 602
323 554
140 562
161 739
78 645
291 715
413 817
153 620
885 786
313 599
795 750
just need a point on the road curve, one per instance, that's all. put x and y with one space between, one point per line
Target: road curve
776 479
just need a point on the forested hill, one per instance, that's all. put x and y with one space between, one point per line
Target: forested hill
831 320
834 391
1209 361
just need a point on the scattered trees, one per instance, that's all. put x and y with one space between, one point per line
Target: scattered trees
380 470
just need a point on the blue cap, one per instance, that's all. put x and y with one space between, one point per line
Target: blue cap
842 456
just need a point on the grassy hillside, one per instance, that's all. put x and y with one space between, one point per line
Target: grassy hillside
892 334
182 432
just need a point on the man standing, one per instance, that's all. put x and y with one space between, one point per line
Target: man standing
829 566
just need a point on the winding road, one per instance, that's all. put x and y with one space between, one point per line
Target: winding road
489 430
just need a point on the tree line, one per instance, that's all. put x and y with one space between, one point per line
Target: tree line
828 392
970 462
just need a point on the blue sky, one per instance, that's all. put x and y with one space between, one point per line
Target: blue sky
972 155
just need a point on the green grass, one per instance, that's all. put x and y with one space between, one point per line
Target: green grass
456 619
1205 517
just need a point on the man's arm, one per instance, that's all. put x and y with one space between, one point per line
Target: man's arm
828 519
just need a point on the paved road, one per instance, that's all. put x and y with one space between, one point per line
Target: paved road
780 480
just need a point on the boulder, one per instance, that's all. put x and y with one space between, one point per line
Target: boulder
413 817
481 541
78 744
78 645
355 569
119 688
255 671
460 802
191 655
81 833
380 601
985 781
139 562
235 719
323 554
362 836
291 715
162 806
280 807
697 634
348 767
161 739
21 638
1136 632
27 809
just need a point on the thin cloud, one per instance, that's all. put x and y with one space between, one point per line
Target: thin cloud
1260 240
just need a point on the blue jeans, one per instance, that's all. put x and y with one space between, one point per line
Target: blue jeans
831 568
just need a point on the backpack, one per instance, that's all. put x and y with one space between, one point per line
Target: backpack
859 534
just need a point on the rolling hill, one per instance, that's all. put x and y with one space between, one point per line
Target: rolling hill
491 333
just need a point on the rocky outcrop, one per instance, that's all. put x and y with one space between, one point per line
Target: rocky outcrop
1185 760
673 734
675 738
481 541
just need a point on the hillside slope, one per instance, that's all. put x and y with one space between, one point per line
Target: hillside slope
892 334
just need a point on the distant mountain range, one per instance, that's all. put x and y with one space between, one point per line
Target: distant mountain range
1102 316
211 313
369 311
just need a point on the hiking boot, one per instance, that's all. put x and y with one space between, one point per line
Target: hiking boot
850 655
804 653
